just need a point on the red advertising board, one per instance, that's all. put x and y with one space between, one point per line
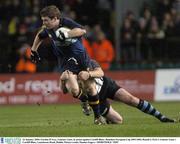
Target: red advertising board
139 83
44 87
31 89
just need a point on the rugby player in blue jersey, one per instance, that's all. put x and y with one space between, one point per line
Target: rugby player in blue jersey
68 48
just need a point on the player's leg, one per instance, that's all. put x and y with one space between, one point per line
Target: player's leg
69 83
62 80
86 109
113 116
83 98
107 111
143 105
93 99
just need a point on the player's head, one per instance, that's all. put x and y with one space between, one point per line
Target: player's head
50 16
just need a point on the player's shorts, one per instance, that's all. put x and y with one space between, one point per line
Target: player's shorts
76 63
108 89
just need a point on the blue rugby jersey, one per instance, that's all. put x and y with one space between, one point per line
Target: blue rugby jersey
65 52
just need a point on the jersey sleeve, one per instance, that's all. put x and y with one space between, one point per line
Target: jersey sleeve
94 64
66 22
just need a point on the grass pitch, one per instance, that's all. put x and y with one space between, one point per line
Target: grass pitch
68 121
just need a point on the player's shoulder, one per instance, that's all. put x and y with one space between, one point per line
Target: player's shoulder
70 23
64 21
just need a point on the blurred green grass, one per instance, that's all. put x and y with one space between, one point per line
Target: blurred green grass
68 121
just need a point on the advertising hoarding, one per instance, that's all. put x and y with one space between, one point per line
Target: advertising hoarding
139 83
167 85
44 87
32 89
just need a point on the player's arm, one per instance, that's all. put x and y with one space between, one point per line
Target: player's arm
36 43
77 30
95 73
41 34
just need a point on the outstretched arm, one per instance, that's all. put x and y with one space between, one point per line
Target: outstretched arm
36 43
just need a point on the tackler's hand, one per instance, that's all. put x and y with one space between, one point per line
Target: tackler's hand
84 75
35 58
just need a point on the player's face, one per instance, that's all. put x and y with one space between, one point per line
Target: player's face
48 22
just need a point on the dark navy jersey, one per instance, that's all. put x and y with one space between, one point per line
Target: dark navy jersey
64 52
93 64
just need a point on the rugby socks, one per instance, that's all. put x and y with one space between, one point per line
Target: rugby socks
147 108
94 103
86 108
83 98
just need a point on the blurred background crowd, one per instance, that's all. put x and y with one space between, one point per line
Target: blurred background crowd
148 40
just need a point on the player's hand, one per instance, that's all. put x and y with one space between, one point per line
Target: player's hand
84 75
35 58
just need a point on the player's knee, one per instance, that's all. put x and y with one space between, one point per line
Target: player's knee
119 120
115 120
114 116
64 76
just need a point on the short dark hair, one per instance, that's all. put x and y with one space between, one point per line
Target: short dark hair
50 11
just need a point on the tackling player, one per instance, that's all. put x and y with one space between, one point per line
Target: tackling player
108 89
72 56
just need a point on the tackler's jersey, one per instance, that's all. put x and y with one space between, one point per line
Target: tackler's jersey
71 56
105 86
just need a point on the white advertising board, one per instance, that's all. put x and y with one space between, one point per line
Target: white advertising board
167 85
